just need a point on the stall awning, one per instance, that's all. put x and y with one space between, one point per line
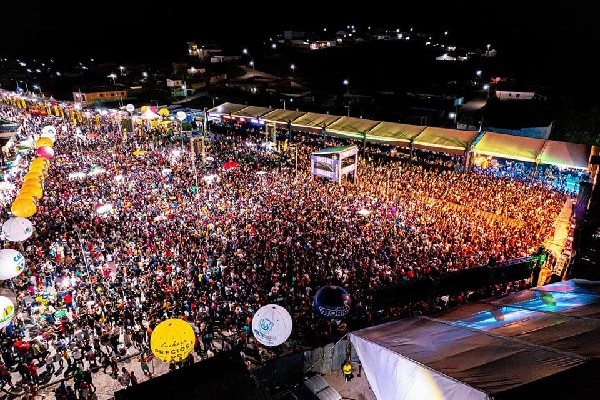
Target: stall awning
452 141
315 120
394 133
513 147
252 111
282 116
227 108
565 154
351 127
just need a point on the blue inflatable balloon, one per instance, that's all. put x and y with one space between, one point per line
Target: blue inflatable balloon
332 302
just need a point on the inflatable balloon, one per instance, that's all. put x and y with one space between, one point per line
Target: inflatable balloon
37 182
172 340
332 302
17 229
40 160
38 169
23 207
35 189
12 263
7 311
49 131
34 175
31 182
44 142
271 325
45 151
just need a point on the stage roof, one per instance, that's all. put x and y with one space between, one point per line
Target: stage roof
315 120
513 147
333 150
528 344
445 140
282 116
395 133
565 154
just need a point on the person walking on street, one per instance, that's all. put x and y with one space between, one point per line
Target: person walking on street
132 378
33 373
144 365
347 370
114 366
49 362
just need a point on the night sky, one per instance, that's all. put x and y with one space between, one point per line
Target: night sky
69 27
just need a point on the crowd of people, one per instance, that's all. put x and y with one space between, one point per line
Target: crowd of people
134 229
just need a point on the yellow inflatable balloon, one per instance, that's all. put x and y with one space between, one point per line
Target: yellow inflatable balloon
38 167
34 175
45 141
172 340
27 197
40 160
32 189
24 208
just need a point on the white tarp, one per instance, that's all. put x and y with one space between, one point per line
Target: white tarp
393 377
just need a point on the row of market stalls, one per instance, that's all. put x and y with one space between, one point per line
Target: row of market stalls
451 141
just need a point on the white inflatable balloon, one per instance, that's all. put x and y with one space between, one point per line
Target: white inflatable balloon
272 325
7 311
12 263
50 132
17 229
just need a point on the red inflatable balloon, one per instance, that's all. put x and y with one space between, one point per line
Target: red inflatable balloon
45 151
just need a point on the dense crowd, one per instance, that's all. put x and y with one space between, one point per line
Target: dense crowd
132 230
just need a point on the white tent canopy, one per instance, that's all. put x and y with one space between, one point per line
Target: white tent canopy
531 344
149 115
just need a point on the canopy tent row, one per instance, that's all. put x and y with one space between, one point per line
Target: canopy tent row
444 140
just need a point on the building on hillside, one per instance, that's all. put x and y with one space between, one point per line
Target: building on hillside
203 52
511 91
293 35
98 96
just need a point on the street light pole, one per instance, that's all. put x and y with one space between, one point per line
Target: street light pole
295 146
348 107
346 82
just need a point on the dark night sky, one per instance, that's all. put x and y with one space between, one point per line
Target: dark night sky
106 27
563 36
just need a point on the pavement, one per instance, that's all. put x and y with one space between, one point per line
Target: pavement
357 389
106 385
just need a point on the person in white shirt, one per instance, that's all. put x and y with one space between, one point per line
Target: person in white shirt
77 355
49 360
